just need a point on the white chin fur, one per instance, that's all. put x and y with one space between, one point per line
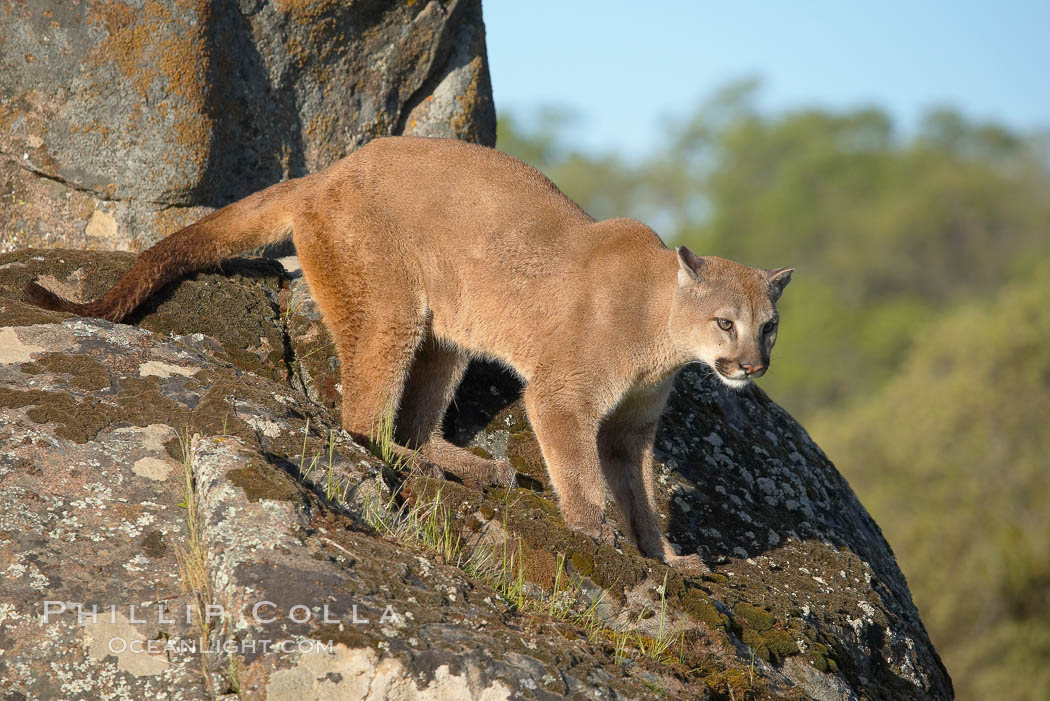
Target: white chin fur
732 383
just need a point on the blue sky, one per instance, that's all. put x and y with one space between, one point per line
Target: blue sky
626 66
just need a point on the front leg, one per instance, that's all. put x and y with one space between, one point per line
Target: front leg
566 427
625 444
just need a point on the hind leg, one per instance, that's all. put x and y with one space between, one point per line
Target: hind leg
376 314
435 374
373 372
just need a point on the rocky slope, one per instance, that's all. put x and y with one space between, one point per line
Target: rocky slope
231 377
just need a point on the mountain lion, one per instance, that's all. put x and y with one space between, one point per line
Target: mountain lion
425 253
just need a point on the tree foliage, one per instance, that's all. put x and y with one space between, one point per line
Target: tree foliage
951 457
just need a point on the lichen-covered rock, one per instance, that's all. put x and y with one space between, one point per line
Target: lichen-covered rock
368 620
122 121
805 598
91 477
96 420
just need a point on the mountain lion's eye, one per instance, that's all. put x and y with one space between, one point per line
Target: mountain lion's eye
725 324
768 327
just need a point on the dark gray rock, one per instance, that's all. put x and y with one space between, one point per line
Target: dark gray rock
124 120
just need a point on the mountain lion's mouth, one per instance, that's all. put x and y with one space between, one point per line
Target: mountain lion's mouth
730 373
733 382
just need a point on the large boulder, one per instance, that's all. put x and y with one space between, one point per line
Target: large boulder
122 121
229 380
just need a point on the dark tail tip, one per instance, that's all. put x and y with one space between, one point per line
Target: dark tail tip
40 296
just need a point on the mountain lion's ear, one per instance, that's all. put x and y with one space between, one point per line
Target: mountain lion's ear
778 280
689 266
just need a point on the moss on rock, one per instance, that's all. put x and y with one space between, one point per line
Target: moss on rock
260 481
85 372
699 605
753 617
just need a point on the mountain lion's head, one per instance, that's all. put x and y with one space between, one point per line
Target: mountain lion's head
725 315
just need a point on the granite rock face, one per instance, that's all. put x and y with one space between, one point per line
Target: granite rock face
124 120
230 378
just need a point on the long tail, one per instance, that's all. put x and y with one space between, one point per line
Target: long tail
257 220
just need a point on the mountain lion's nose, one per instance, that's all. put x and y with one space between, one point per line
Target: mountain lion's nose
755 370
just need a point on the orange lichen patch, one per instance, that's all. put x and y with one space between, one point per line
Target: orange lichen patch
297 51
24 110
7 114
92 128
322 40
462 120
155 44
305 9
80 205
194 130
321 125
152 43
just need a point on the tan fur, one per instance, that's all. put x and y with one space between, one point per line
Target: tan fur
422 253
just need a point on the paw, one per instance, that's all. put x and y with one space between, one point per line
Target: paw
503 474
428 469
469 468
486 473
687 562
599 530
